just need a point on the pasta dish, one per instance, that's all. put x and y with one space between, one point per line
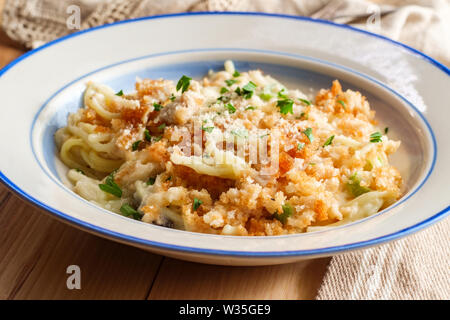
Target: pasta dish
236 153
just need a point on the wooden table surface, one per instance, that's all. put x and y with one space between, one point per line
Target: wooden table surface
35 251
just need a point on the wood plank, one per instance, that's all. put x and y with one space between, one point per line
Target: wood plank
35 251
186 280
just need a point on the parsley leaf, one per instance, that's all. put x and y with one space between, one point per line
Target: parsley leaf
354 186
230 82
172 97
223 90
80 171
300 145
147 135
308 133
156 139
240 133
248 90
341 102
162 127
128 210
157 106
230 107
265 96
386 130
236 74
208 129
196 204
183 83
329 141
375 137
224 99
135 145
304 115
286 106
110 186
307 102
250 108
282 94
287 212
151 181
120 93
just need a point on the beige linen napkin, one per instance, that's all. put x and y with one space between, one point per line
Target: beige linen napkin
416 267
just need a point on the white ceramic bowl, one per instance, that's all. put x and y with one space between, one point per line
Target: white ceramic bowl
409 91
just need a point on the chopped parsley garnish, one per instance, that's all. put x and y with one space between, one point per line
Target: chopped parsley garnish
162 127
197 203
265 96
208 129
303 115
286 106
308 133
307 102
120 93
300 146
287 212
354 186
343 104
223 90
80 171
250 108
375 137
147 135
172 97
230 82
236 74
151 181
224 99
386 130
329 141
238 91
248 90
183 83
282 94
230 107
157 106
128 210
368 166
110 186
240 133
135 145
156 139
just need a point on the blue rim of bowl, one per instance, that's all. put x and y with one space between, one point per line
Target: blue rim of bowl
157 245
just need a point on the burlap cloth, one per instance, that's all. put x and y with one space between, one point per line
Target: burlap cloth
416 267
